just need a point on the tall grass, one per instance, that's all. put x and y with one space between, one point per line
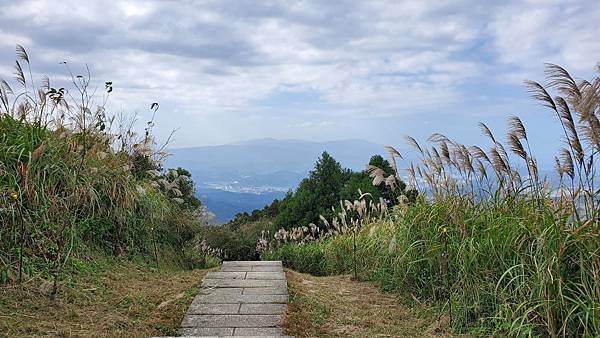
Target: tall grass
501 250
73 180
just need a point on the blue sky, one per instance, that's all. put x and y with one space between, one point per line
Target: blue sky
225 71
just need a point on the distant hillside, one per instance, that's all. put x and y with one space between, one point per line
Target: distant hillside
267 156
247 175
225 204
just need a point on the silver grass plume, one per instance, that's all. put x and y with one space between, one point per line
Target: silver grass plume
538 92
560 79
567 163
413 143
516 127
486 131
22 54
569 123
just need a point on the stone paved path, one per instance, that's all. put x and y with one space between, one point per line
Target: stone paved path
246 298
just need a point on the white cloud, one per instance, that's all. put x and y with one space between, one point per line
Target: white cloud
7 39
375 58
311 124
527 34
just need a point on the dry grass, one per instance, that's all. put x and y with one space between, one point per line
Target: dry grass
337 306
126 301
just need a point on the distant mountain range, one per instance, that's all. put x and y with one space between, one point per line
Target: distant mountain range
244 176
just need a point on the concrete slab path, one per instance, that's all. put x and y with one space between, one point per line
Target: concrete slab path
245 299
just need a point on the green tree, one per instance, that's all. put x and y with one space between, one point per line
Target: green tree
361 180
315 195
329 183
388 194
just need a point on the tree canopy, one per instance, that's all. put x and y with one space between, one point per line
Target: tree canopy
315 195
325 186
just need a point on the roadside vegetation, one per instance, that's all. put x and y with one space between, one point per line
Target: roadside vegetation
88 216
316 197
489 242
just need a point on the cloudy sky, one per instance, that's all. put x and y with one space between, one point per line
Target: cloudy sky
226 71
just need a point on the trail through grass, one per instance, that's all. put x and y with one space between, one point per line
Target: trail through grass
123 299
337 306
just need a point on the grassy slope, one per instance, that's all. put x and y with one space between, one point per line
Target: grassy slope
111 299
337 306
121 298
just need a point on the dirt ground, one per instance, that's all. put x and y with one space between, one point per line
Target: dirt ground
337 306
128 300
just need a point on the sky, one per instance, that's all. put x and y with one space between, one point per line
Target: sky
227 71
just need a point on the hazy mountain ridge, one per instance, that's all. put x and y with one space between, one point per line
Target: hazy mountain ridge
260 170
271 155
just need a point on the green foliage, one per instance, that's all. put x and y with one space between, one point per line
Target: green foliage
142 164
237 239
54 203
67 189
310 258
315 194
329 183
268 212
501 252
362 181
232 243
512 272
319 258
186 187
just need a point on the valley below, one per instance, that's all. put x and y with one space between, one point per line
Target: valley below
244 176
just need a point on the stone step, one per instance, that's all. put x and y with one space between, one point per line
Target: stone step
244 283
238 299
252 263
226 275
244 299
227 332
274 290
262 275
230 336
236 320
234 268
